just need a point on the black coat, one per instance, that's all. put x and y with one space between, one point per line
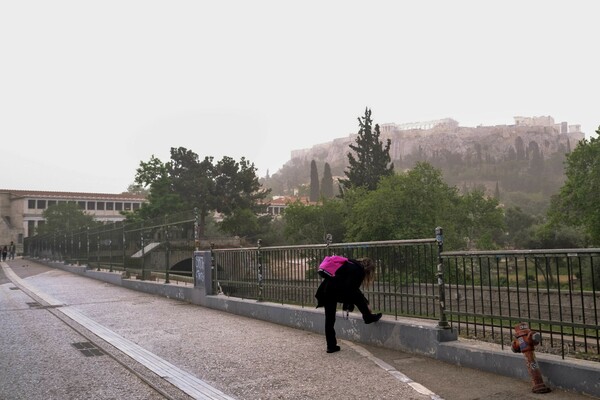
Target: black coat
343 285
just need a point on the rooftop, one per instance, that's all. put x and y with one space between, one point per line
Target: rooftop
72 195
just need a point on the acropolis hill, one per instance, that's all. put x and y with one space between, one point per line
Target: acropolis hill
445 138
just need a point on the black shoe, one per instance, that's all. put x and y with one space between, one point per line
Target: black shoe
372 318
333 349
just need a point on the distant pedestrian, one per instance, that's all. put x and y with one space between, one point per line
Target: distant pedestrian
11 251
4 253
341 284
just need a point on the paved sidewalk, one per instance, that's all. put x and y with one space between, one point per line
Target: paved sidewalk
232 356
239 357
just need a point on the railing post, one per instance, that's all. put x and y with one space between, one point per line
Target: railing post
72 255
196 227
143 253
167 251
213 271
98 249
87 245
260 272
110 263
328 240
124 243
439 237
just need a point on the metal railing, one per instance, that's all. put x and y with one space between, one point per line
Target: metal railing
482 294
405 281
153 249
555 291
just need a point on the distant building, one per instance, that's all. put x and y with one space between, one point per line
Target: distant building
21 210
562 128
279 203
424 125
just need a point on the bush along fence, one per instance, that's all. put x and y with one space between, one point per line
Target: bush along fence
481 294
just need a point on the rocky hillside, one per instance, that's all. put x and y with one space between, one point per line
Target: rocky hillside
522 162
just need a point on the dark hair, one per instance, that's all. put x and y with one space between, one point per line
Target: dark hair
369 267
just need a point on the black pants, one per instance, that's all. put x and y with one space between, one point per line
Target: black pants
356 298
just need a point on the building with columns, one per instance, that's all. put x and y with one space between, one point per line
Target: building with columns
21 210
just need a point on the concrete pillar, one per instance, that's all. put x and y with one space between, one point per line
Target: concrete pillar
203 272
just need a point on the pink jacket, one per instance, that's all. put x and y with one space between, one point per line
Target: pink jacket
330 264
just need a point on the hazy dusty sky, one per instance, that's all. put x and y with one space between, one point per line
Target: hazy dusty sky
88 89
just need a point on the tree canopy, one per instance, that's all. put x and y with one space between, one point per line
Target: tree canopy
306 224
369 159
404 206
411 204
577 203
162 199
482 220
65 217
186 182
408 205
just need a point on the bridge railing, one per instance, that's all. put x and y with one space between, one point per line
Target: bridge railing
555 291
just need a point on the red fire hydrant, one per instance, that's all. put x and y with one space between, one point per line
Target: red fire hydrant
524 342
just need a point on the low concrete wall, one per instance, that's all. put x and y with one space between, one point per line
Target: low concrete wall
406 334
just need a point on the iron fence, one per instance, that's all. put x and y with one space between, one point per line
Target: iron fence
153 249
482 294
555 291
405 281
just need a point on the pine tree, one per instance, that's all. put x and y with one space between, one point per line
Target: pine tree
371 160
314 182
327 182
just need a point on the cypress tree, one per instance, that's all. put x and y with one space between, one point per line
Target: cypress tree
327 182
314 182
370 160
